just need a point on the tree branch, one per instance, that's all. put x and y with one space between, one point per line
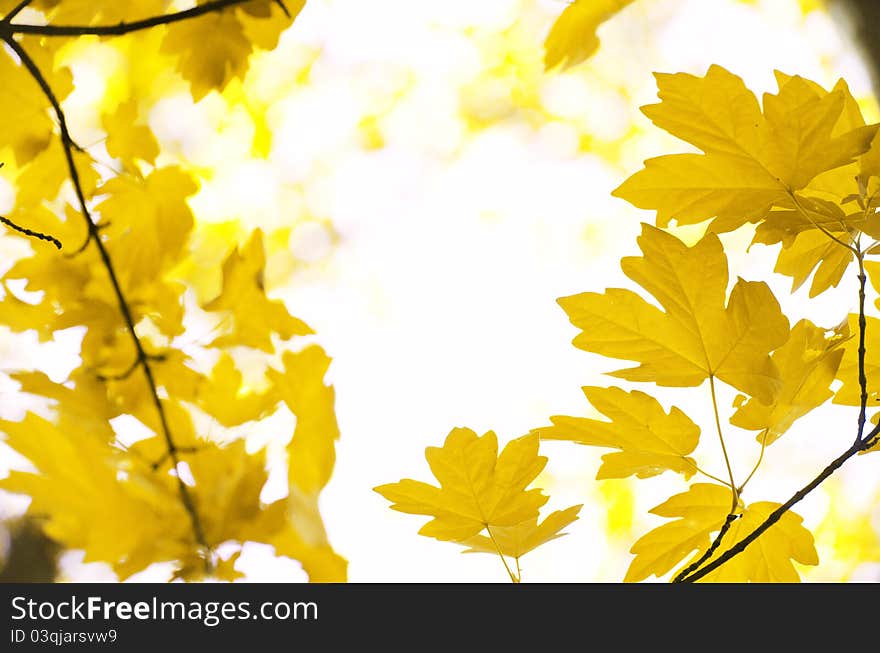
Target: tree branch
862 443
708 554
774 516
120 29
143 359
29 232
863 326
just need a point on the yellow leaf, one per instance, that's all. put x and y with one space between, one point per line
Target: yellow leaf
264 21
87 504
691 188
228 483
751 161
43 177
148 224
813 253
515 541
716 113
698 336
311 451
253 316
803 138
224 400
807 364
25 125
650 440
769 558
699 513
211 51
125 139
478 487
572 39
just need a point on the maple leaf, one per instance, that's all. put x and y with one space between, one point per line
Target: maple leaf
127 140
701 511
650 440
224 400
698 337
26 126
751 160
813 253
210 51
515 541
478 487
149 222
312 449
254 317
572 38
215 49
43 177
807 363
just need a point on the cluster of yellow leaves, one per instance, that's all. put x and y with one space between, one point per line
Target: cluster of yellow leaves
95 480
797 168
804 170
701 511
482 491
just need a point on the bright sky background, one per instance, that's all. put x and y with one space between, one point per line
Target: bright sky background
440 193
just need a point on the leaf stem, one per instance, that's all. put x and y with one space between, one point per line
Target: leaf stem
700 470
733 487
513 578
764 435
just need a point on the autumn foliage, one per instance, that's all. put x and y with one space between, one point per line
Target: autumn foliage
177 481
138 455
802 167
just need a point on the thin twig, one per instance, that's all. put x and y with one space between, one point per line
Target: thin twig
30 232
863 327
142 356
732 517
120 29
775 516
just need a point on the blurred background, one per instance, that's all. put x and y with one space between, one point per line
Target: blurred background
428 192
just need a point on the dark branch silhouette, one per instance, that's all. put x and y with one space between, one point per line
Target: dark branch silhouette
30 232
7 29
708 554
774 516
142 358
